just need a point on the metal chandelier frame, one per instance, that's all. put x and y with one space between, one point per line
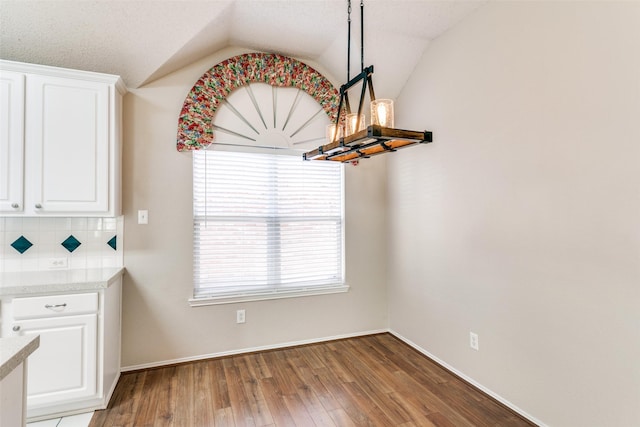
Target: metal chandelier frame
374 139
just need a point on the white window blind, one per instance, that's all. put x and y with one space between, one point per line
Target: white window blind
266 225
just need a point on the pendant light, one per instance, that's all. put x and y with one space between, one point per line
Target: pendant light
350 139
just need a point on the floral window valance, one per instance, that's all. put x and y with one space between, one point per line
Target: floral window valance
195 124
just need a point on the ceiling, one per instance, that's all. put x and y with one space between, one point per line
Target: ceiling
143 40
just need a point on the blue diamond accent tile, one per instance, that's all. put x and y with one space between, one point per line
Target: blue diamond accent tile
21 244
71 243
112 242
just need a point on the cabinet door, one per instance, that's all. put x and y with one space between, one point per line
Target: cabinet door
11 141
64 367
68 145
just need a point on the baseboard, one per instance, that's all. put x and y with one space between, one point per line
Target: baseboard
247 350
469 380
107 398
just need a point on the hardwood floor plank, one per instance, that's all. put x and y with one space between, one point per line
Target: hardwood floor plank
259 368
314 393
374 384
341 418
374 413
359 368
308 354
439 420
129 402
334 385
285 378
219 387
374 380
411 388
224 417
247 372
331 361
377 363
323 419
145 416
166 397
250 368
404 358
203 410
122 396
298 410
240 405
457 394
275 401
257 403
183 406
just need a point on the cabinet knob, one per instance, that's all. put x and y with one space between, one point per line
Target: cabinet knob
16 328
15 205
38 206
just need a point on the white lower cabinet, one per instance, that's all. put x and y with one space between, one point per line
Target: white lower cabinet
77 364
65 367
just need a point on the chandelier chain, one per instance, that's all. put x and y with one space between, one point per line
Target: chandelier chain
349 41
361 35
349 38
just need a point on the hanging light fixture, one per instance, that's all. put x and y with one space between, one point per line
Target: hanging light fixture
350 139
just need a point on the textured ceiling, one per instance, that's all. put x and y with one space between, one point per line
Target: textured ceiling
147 39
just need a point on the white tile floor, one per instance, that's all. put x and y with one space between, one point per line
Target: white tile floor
81 420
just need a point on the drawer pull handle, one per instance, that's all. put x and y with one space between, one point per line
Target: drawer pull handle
55 305
16 328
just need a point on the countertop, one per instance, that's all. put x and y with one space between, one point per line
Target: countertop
54 281
14 351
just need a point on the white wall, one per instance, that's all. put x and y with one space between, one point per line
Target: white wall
521 221
158 323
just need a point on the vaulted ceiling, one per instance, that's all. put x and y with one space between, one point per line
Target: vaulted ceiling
143 40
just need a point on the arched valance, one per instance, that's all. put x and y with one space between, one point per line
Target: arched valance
195 130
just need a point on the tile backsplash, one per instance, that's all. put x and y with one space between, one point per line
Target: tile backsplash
28 244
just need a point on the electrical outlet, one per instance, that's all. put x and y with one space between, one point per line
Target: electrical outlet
240 316
55 263
474 342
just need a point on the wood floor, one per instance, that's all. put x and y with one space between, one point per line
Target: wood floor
375 380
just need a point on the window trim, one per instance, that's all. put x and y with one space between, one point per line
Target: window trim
268 295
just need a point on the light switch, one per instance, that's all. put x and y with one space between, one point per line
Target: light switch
143 217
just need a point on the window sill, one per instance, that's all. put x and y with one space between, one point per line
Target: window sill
267 295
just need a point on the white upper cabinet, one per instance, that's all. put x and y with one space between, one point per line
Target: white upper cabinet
68 146
11 141
71 142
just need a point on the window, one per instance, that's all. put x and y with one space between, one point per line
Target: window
265 226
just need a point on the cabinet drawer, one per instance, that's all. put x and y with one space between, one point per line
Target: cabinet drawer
54 305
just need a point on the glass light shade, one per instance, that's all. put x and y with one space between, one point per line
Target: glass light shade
382 112
352 122
333 133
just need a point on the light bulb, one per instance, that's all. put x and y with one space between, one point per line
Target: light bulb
382 112
352 124
333 133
